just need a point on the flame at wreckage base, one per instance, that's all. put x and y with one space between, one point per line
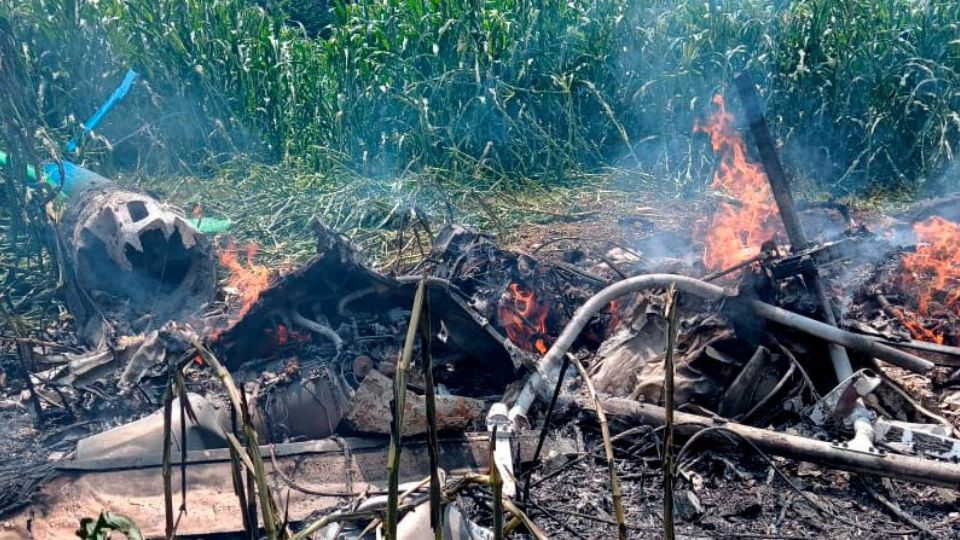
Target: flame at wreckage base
932 275
735 232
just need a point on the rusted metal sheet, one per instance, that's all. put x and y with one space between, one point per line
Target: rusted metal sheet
324 468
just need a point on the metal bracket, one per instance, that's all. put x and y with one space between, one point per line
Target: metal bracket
816 256
843 401
931 440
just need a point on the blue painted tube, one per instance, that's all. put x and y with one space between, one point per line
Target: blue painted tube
94 121
76 178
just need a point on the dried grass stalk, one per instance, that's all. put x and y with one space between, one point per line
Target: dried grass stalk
615 491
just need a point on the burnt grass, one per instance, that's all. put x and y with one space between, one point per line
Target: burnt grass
753 502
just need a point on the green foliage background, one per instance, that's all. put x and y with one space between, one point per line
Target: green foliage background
864 94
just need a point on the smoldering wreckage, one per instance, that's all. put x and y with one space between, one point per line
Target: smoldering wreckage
276 409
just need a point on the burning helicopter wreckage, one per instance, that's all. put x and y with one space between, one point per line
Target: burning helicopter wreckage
821 337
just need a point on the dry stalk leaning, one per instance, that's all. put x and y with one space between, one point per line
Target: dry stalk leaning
436 514
248 511
669 371
241 452
167 451
251 457
607 448
176 387
532 527
186 411
399 401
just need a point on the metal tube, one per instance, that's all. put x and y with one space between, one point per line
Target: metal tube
549 366
833 334
912 469
780 187
771 162
945 350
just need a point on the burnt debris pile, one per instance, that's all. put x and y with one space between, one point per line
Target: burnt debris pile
784 348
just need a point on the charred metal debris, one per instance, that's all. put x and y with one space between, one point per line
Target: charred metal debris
801 352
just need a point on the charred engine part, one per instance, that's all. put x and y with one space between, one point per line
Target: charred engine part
338 316
138 262
462 254
526 298
292 406
813 257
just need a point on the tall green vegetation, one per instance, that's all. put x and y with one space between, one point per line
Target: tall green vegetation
862 93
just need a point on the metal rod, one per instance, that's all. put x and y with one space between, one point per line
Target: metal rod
720 273
953 353
780 187
912 469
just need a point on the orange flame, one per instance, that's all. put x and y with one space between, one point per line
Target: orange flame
614 316
917 328
932 273
249 280
735 232
283 336
524 318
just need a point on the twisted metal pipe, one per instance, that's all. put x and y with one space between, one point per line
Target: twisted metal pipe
548 369
320 329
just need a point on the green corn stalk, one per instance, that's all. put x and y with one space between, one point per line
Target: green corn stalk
399 401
